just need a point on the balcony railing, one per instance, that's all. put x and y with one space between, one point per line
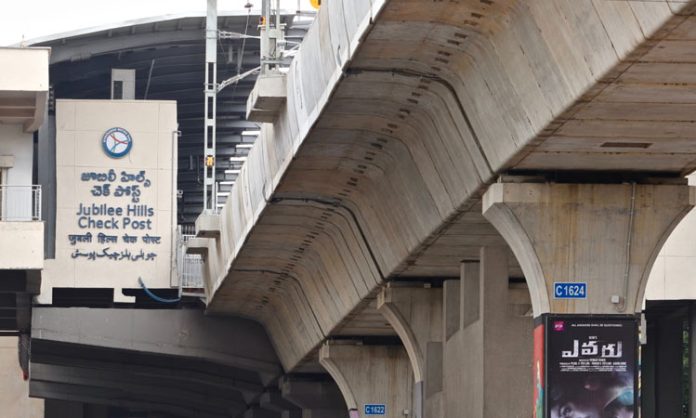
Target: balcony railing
189 266
20 203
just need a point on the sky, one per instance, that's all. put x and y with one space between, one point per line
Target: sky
29 19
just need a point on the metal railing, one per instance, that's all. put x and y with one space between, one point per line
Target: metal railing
20 203
189 266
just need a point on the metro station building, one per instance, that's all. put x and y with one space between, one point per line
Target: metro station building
397 230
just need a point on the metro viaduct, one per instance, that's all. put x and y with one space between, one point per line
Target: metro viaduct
436 166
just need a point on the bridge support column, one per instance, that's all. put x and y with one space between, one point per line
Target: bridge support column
370 375
488 350
606 235
416 315
316 398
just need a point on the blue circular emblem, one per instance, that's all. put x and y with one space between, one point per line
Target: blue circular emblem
117 142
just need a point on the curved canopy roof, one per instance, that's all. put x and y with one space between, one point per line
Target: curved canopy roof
167 53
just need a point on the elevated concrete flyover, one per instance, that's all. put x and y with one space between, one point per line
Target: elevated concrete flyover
399 116
174 361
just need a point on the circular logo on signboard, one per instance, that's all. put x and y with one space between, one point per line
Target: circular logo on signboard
117 142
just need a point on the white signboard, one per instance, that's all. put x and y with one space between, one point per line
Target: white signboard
116 206
120 230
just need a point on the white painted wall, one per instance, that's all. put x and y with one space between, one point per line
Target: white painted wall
21 246
21 243
24 69
80 126
15 142
18 146
673 275
14 391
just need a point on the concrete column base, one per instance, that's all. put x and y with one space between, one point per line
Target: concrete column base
370 375
415 313
487 362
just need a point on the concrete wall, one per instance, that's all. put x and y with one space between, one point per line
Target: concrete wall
14 391
80 127
24 69
23 86
16 161
381 146
21 245
15 143
673 275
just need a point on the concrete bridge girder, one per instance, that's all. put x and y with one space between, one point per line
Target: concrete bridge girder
410 137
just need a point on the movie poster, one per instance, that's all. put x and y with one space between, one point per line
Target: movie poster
538 370
591 366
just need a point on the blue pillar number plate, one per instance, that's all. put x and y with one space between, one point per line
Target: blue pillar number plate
375 409
568 290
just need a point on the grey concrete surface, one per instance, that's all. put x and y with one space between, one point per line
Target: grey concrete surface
587 233
234 342
173 361
371 375
399 114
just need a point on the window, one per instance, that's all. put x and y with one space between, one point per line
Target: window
117 92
